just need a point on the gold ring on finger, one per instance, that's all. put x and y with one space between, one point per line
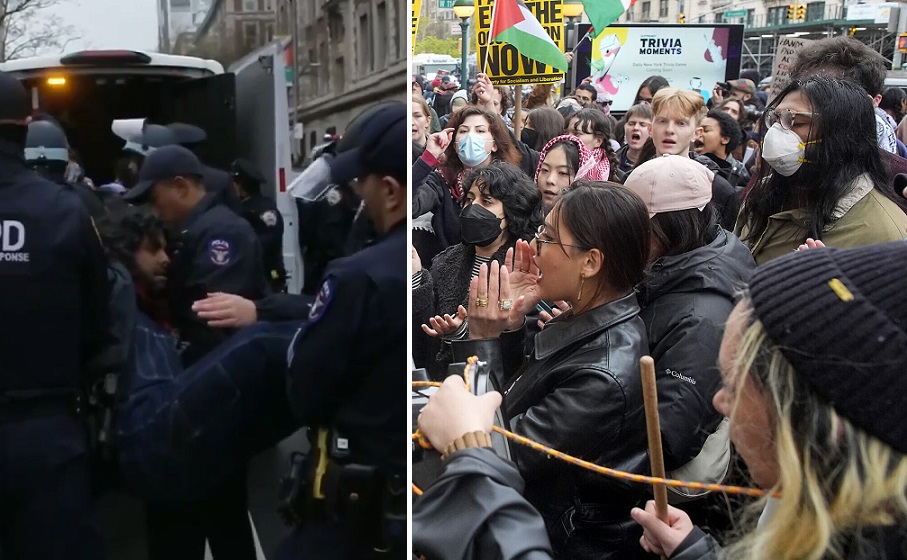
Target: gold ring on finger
481 302
505 304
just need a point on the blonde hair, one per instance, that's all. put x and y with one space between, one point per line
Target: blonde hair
679 102
834 478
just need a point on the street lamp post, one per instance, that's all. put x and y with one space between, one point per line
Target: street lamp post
573 10
464 10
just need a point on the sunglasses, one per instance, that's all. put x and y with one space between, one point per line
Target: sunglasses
539 241
785 118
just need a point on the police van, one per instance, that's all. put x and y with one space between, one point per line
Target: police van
244 111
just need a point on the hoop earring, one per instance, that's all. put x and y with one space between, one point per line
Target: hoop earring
582 282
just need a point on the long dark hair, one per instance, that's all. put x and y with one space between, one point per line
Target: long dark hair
654 83
594 121
612 219
685 230
845 121
507 151
548 123
519 195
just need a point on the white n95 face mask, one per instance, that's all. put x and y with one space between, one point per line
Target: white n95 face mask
783 150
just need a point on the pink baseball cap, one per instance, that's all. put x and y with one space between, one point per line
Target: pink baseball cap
671 183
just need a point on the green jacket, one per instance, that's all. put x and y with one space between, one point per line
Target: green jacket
863 216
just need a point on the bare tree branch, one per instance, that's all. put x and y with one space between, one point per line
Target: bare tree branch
29 28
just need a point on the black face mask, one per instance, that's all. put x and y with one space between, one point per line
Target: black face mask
478 226
529 137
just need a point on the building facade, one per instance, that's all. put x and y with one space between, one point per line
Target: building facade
178 17
766 20
232 28
349 55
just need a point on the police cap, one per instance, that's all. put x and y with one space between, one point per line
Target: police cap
46 142
153 136
15 103
187 134
246 172
164 164
381 146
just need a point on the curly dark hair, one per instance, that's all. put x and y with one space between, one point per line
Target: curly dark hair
123 232
730 128
519 195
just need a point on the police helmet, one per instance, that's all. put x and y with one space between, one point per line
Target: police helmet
153 136
316 180
15 101
46 143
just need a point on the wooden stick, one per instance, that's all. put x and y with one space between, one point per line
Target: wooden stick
518 111
656 457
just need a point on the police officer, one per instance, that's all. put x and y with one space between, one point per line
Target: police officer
262 214
346 364
53 324
216 180
216 251
47 152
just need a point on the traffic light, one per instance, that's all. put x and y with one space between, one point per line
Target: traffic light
801 12
791 12
681 18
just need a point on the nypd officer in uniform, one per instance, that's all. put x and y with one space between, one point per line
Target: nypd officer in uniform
216 251
346 365
262 214
47 152
53 324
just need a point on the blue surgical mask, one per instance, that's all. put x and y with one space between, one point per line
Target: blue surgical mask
471 150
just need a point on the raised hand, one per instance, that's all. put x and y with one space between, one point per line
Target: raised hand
492 309
439 141
443 326
524 278
559 308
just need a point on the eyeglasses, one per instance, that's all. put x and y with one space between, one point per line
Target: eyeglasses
786 117
539 241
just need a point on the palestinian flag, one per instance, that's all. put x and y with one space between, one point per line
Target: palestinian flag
514 24
603 13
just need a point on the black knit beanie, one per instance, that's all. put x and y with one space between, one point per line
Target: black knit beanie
840 318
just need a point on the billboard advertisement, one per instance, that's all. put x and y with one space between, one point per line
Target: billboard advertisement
688 56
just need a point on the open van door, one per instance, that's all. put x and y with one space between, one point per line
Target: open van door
209 103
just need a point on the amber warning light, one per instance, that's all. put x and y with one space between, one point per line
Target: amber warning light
56 81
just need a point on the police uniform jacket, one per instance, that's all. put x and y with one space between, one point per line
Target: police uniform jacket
348 360
262 214
54 314
217 251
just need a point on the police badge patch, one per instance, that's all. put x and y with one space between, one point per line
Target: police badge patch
269 218
219 252
333 196
325 294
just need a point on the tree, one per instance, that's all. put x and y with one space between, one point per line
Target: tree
29 28
436 45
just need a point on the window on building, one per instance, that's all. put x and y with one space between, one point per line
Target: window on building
250 34
336 29
313 141
662 8
311 72
750 17
338 76
322 68
646 10
815 11
363 46
380 50
269 32
250 5
180 4
777 16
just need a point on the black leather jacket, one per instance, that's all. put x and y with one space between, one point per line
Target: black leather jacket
580 393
